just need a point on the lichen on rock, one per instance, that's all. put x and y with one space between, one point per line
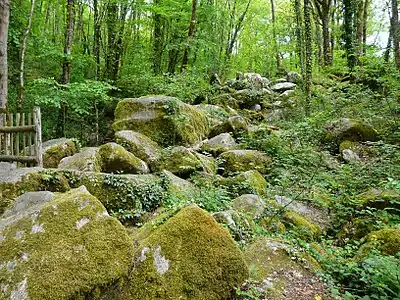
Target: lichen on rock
234 161
53 259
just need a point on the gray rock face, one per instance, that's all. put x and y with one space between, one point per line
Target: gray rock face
28 200
350 156
293 77
139 145
318 215
220 143
249 203
87 160
283 86
9 173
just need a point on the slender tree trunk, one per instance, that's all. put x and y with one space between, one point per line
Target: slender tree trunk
158 36
300 36
96 35
4 21
236 31
308 41
326 40
23 52
274 36
112 14
69 33
191 31
395 33
349 33
365 23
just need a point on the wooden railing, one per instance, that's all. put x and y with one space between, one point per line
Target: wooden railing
21 138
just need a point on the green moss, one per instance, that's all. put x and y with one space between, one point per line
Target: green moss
388 239
167 120
36 181
87 160
380 199
184 162
270 259
57 259
56 151
244 160
348 130
348 145
116 158
187 257
357 229
139 145
304 225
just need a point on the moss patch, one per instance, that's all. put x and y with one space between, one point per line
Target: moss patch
87 160
167 120
116 159
55 150
187 257
302 224
70 250
388 239
244 160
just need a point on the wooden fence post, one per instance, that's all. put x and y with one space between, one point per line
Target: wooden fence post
38 141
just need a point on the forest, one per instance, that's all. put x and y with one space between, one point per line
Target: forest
202 149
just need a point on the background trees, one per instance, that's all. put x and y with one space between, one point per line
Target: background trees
144 46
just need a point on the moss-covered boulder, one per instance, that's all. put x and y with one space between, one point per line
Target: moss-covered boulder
380 199
116 159
251 204
139 145
234 161
166 120
348 130
183 162
280 272
236 125
86 160
215 114
356 229
388 240
219 144
250 182
65 247
16 181
302 224
174 183
189 256
55 150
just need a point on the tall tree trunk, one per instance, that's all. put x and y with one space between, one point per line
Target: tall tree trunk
4 21
300 36
365 23
308 42
236 30
112 15
96 37
69 33
349 33
191 31
275 38
158 36
23 52
395 33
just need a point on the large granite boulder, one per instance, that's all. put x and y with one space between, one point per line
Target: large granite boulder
189 256
61 247
348 130
86 160
55 150
139 145
219 144
184 162
166 120
234 161
116 159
